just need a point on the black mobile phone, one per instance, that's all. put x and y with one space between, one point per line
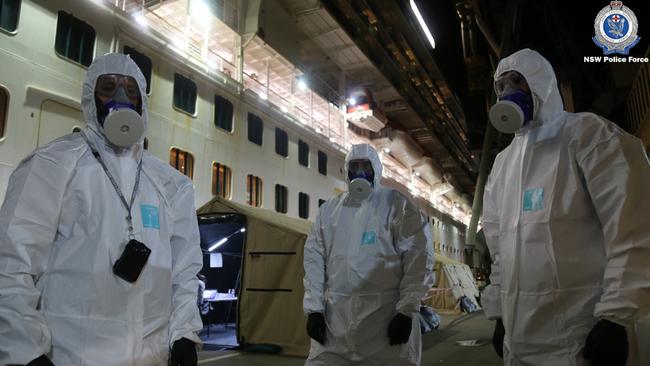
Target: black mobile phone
133 259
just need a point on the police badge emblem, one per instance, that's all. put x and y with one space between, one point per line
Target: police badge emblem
616 27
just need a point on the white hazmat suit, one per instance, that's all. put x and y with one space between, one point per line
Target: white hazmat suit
365 261
62 227
565 218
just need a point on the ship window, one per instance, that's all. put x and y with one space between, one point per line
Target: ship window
281 142
281 197
255 129
322 162
143 62
184 94
254 190
320 202
303 153
75 39
223 112
182 161
9 12
303 205
4 110
221 180
145 144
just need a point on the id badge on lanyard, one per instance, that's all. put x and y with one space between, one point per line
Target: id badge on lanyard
135 255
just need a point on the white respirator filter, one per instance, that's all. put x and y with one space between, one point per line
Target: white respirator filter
506 116
123 127
360 189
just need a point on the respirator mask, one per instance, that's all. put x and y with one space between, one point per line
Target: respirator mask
515 106
119 109
361 176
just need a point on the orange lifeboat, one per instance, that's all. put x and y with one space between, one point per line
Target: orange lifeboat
362 111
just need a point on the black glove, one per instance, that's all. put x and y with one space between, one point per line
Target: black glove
183 353
316 327
497 337
399 329
606 344
41 361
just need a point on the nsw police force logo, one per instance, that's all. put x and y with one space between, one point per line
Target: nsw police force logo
616 28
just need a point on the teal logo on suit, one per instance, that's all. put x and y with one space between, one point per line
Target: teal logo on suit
368 238
534 199
150 216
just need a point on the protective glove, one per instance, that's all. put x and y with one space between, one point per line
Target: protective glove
606 344
183 353
41 361
497 337
399 329
316 327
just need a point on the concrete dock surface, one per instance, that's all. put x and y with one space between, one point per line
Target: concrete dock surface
463 339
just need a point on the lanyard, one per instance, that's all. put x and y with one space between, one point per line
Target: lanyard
127 206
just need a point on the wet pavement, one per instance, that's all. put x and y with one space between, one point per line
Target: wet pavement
461 340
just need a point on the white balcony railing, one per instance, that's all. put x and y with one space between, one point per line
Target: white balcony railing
267 73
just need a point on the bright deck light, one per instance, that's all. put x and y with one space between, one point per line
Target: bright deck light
179 43
200 11
140 19
423 25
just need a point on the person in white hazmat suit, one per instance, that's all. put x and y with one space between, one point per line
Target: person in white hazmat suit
368 262
565 218
99 242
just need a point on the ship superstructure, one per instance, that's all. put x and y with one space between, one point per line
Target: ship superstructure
234 113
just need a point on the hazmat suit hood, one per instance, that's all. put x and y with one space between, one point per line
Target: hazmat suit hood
111 63
541 79
365 151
